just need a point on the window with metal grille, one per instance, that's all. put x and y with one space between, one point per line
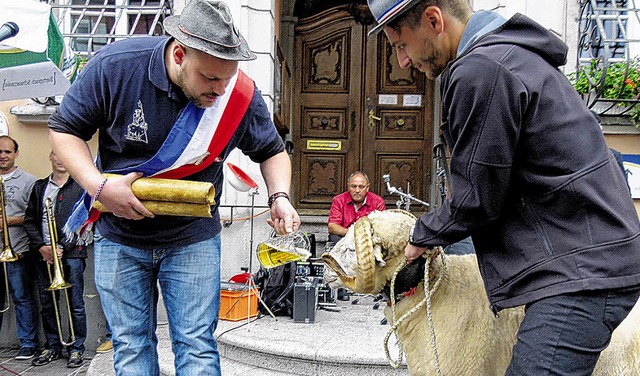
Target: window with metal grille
608 69
604 29
87 25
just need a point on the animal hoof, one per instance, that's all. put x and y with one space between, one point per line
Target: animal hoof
384 321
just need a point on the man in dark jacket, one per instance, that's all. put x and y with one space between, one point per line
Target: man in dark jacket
532 180
63 192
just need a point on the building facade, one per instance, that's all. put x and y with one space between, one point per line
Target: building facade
337 97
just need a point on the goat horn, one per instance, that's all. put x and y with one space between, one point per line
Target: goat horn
363 282
366 262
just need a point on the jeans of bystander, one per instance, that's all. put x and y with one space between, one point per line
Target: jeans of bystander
3 292
73 270
20 288
189 278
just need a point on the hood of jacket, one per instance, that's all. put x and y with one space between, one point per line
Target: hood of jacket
489 28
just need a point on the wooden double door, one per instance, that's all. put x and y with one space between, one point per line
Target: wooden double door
355 109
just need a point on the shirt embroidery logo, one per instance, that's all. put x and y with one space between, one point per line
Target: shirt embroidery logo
9 192
137 130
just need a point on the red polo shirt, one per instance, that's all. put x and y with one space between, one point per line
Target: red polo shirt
343 210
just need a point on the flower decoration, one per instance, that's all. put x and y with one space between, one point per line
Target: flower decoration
619 82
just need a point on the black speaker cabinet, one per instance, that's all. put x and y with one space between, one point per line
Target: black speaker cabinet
305 300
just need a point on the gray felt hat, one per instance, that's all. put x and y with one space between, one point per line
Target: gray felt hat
207 25
386 11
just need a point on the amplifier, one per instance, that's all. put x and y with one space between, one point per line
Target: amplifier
309 269
305 300
314 270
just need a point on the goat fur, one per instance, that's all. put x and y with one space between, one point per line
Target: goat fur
470 339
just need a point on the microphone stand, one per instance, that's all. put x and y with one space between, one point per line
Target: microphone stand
243 184
250 282
252 193
405 198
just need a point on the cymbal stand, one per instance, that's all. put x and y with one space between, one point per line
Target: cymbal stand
405 198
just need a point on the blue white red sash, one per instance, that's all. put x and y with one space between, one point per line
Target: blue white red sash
196 140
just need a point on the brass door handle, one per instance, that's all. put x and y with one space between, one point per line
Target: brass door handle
372 117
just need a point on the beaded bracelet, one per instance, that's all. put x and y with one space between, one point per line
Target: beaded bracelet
102 183
275 196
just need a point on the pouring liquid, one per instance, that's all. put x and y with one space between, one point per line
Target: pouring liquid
270 256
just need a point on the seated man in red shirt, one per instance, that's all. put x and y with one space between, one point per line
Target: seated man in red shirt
349 206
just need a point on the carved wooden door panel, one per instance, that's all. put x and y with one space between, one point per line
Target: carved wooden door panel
397 134
355 109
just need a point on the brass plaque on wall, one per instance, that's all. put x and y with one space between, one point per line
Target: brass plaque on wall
324 145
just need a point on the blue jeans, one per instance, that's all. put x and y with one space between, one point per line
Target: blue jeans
73 270
565 334
189 278
3 293
20 286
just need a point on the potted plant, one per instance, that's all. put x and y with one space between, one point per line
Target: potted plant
611 89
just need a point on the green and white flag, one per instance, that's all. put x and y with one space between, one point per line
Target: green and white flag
36 62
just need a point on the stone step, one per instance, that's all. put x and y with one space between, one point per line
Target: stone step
347 342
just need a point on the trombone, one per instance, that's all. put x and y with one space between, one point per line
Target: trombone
57 281
7 254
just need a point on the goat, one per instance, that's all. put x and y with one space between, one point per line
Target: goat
470 339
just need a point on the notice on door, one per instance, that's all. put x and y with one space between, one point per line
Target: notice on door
387 99
324 145
413 100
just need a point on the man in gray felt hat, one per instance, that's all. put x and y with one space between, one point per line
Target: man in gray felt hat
532 180
171 107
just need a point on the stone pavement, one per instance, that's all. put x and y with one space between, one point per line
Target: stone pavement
347 342
10 366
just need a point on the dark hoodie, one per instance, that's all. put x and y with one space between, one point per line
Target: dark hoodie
532 179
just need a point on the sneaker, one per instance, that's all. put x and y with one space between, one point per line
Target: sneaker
105 347
46 357
26 353
75 359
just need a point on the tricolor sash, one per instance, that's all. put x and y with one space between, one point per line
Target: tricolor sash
196 140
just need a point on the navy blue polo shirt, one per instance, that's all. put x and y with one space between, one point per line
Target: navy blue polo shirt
125 95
